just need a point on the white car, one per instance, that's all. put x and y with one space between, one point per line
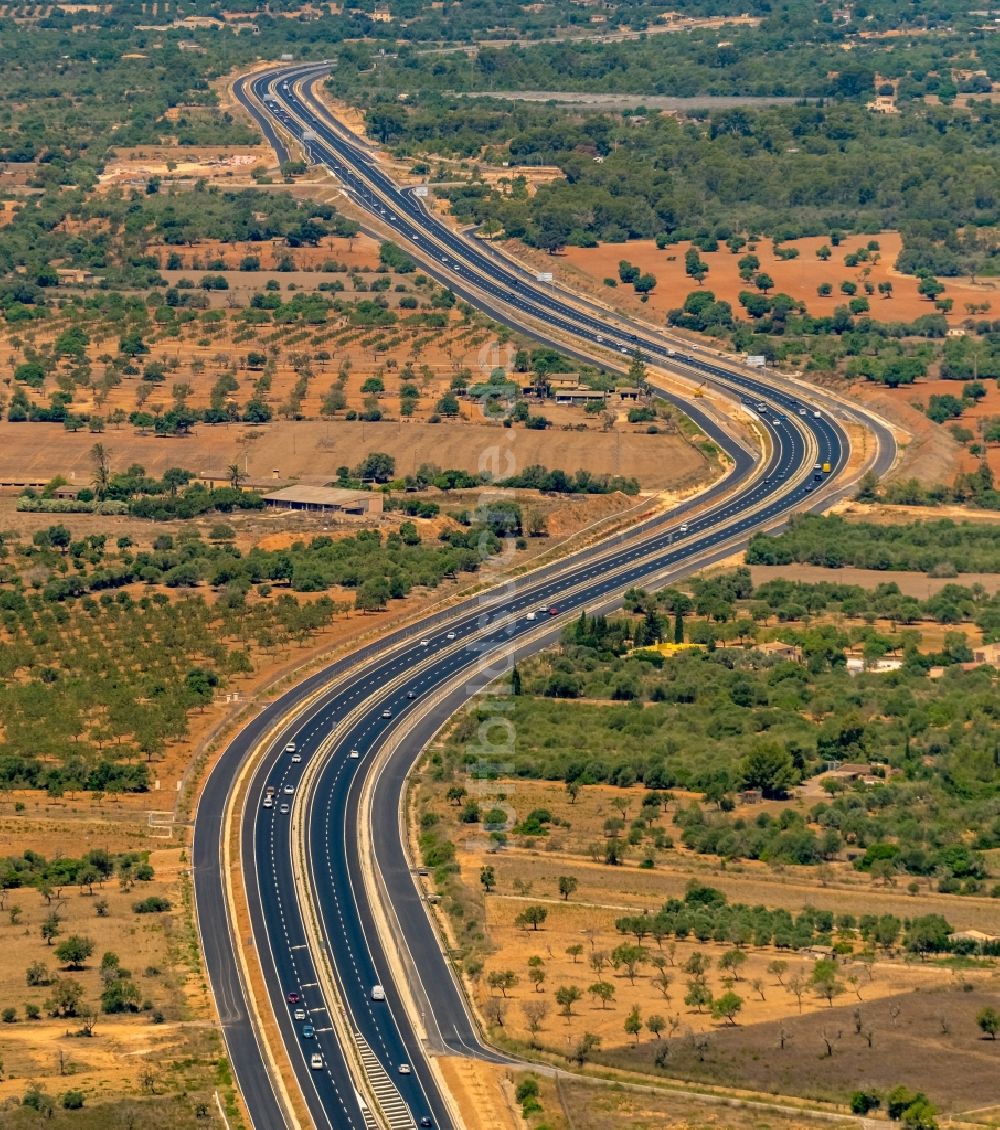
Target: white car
623 350
684 527
289 747
296 758
288 790
316 1061
268 802
425 643
405 1069
285 809
377 993
299 1014
532 616
355 754
451 635
387 713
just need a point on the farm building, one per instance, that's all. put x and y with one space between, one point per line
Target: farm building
325 500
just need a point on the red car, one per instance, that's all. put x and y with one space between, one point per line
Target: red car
294 998
553 611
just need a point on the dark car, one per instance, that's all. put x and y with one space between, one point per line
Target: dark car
426 1120
294 998
308 1031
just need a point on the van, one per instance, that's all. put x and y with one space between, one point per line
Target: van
378 993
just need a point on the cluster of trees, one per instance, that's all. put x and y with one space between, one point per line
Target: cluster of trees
93 683
921 546
139 494
797 52
392 566
706 914
852 339
50 876
783 171
380 468
750 721
969 488
125 227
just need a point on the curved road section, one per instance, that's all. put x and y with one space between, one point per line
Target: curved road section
301 854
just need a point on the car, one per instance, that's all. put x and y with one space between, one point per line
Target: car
355 754
425 643
308 1032
285 809
817 415
802 412
425 1120
270 790
289 747
684 527
554 610
299 1014
623 350
411 694
599 339
377 993
296 758
294 998
316 1061
387 713
288 790
405 1069
268 802
532 616
451 635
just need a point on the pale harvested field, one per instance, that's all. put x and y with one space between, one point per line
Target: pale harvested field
311 450
912 584
175 162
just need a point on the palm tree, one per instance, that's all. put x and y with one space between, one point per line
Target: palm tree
102 468
235 475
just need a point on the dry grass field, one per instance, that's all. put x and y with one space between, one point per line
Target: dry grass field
312 450
165 1056
786 1039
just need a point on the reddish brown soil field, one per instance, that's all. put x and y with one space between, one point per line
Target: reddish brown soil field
797 277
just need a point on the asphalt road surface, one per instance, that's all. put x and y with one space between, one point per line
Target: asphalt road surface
454 652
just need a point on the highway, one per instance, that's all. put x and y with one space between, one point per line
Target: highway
362 698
